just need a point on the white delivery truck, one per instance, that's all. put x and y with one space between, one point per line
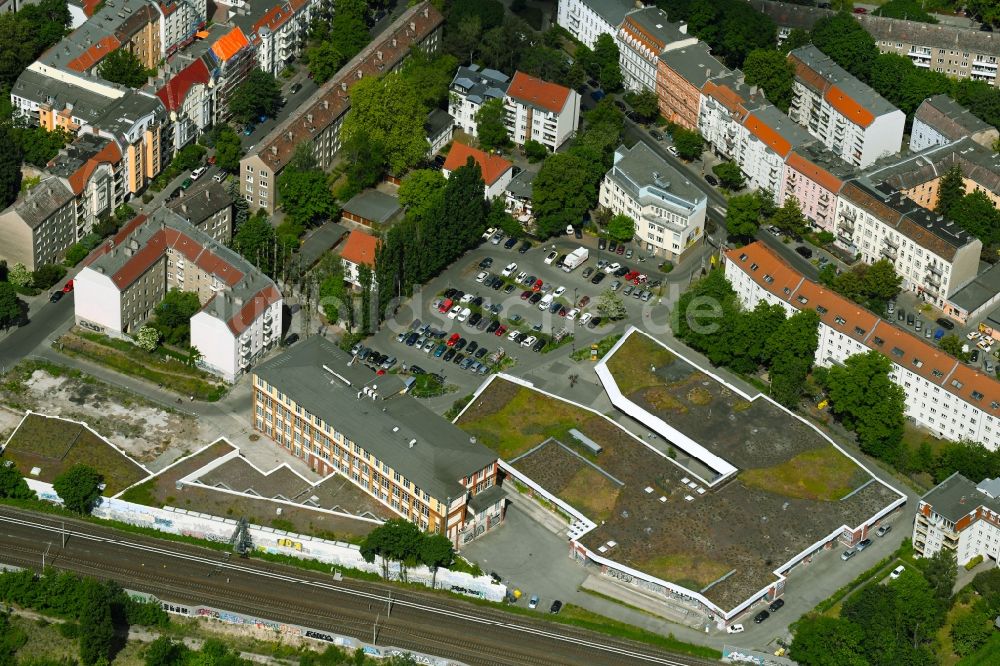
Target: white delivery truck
575 258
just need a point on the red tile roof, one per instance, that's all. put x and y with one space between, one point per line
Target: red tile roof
115 240
849 108
901 347
230 44
360 248
108 155
725 95
536 92
173 93
89 58
252 309
767 135
814 172
492 166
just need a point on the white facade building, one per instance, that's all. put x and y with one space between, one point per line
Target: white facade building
934 256
644 36
181 19
589 19
851 119
541 111
278 31
943 395
668 210
940 120
469 90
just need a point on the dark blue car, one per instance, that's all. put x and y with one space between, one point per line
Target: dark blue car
597 95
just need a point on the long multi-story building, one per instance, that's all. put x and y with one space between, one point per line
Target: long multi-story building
127 277
960 516
324 406
469 90
540 111
934 256
680 76
851 119
643 37
668 209
940 120
814 176
39 226
587 20
317 121
947 397
278 32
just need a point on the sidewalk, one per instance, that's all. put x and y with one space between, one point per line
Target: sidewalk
677 613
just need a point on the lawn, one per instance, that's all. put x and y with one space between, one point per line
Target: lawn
604 345
121 356
593 493
631 364
823 474
988 655
54 445
691 571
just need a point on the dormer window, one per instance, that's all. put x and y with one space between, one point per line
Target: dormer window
859 331
896 351
840 320
917 362
803 300
820 309
753 267
977 396
877 341
768 279
957 384
743 256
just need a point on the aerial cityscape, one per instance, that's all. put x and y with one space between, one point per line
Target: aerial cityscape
499 332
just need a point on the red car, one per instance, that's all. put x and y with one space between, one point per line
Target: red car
526 294
620 250
68 288
537 286
583 301
860 10
500 331
631 275
455 337
445 305
211 160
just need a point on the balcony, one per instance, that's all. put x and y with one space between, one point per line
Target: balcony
849 214
934 268
894 244
889 253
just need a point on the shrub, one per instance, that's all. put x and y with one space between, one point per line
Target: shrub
75 254
973 563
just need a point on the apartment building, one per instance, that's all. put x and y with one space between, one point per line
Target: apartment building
814 176
934 256
92 169
940 120
359 250
440 128
208 207
320 404
961 516
188 98
947 397
128 276
644 36
851 119
317 121
181 20
541 111
496 171
278 32
469 90
517 197
587 20
233 57
680 76
39 226
668 209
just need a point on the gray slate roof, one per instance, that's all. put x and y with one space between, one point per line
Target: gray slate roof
612 11
437 122
441 455
201 202
977 163
695 63
521 185
480 85
834 74
957 496
44 90
373 205
42 201
654 21
950 118
983 287
639 167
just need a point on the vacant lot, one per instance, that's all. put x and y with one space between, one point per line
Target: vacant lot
52 445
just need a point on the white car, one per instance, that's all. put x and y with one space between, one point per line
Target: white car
454 311
672 150
545 302
521 276
528 341
611 268
464 314
897 572
219 177
197 173
584 318
734 629
481 276
973 335
489 232
571 315
513 334
551 257
560 290
509 269
466 298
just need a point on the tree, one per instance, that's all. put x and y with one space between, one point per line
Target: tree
97 632
870 285
846 42
499 218
535 151
464 38
464 207
394 540
422 191
11 307
562 193
791 351
188 157
645 104
730 176
10 168
165 652
908 10
172 317
971 629
796 38
505 46
255 240
388 110
752 331
610 305
430 76
771 70
976 213
490 125
744 215
147 338
19 276
47 275
259 95
305 196
334 298
605 64
789 217
38 145
228 149
79 488
952 344
621 228
544 63
348 29
688 143
13 485
123 67
436 551
366 162
323 60
864 398
951 189
940 573
827 641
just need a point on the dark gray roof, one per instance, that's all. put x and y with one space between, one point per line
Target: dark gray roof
318 242
44 90
957 497
950 118
76 154
42 201
521 184
612 11
441 454
826 159
938 35
480 85
437 122
981 290
976 162
201 202
121 115
487 498
694 63
373 205
654 21
834 74
639 167
787 15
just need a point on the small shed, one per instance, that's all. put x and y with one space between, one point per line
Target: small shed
591 445
372 208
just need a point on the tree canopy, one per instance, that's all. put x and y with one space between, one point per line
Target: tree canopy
688 143
746 212
732 28
13 485
305 196
123 67
771 70
907 10
490 127
172 317
26 33
228 149
259 95
10 166
11 307
870 285
78 487
388 110
621 228
730 176
846 42
562 193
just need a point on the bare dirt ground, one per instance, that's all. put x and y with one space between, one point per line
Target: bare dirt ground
151 434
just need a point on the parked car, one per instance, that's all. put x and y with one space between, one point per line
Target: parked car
761 616
602 243
295 88
538 346
897 572
946 324
511 242
848 554
199 172
551 256
533 601
776 605
864 543
56 297
804 251
68 287
555 607
735 629
710 179
525 246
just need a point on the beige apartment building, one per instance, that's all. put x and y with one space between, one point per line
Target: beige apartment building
38 227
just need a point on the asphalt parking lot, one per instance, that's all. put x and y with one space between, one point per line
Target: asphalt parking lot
462 276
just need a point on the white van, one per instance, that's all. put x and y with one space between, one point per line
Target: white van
545 302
